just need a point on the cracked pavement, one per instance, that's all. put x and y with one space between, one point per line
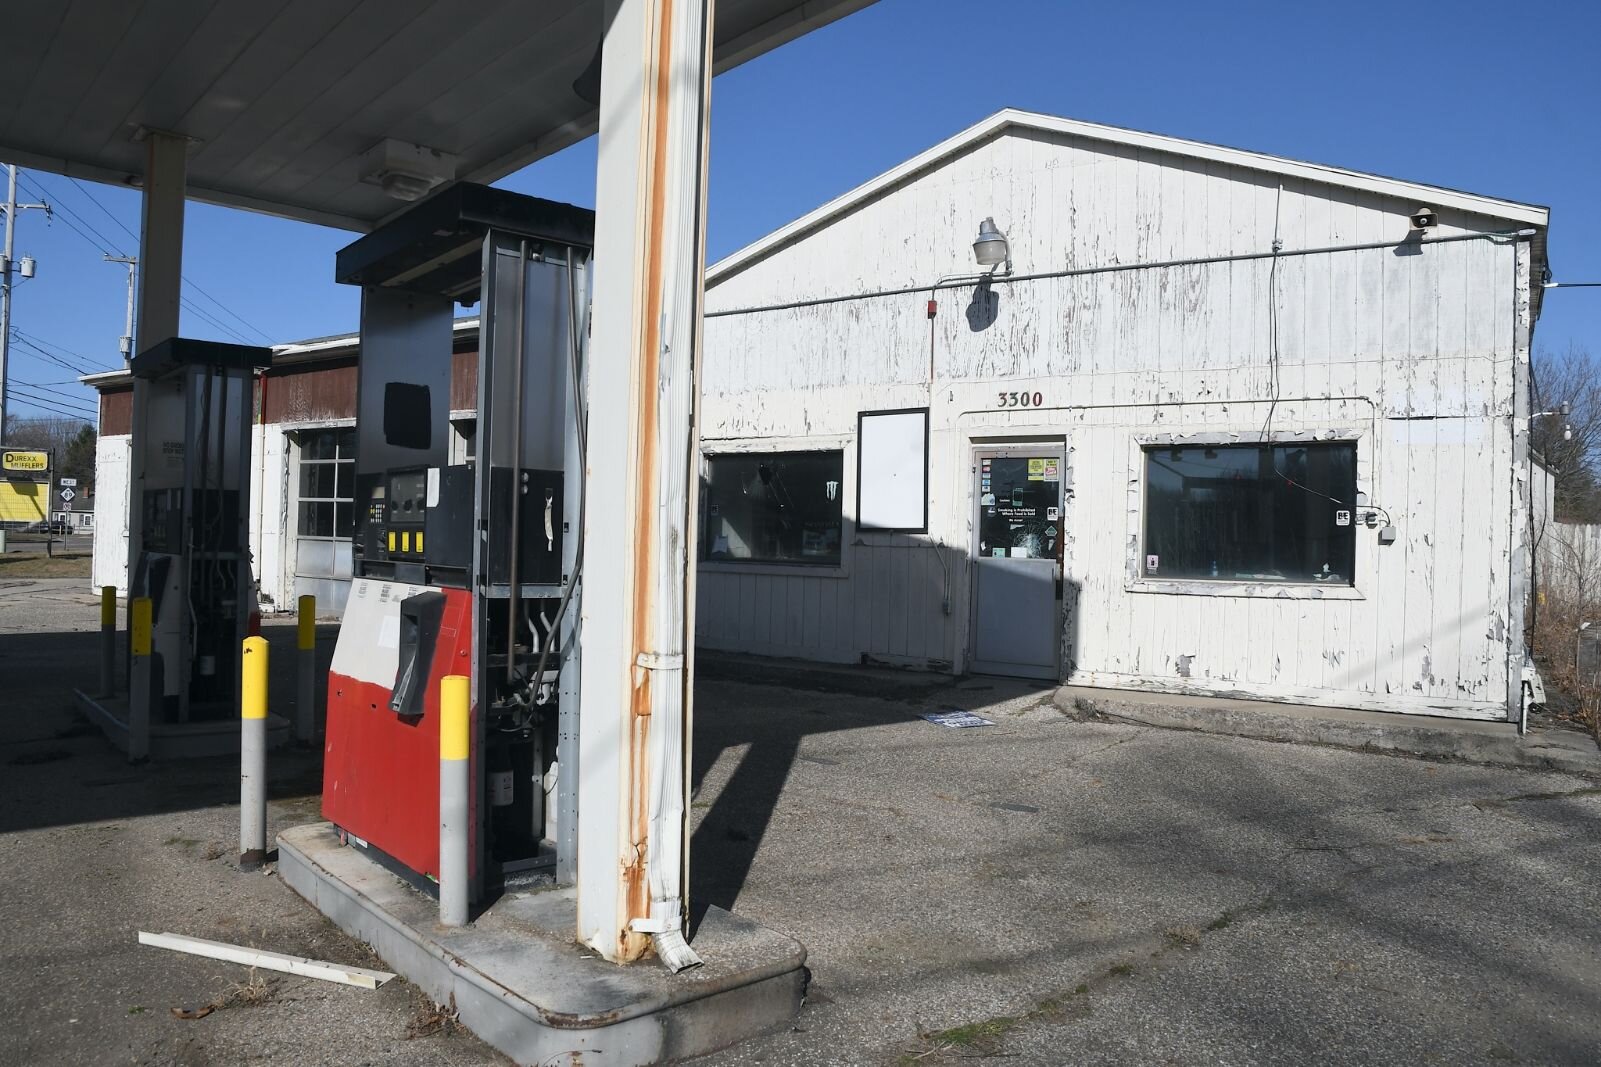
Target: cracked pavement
1045 890
1174 897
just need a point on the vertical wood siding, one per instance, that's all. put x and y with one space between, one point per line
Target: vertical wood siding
1409 350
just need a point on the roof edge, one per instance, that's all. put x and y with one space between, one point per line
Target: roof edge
1008 118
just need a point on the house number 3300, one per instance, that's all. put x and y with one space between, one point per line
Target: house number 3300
1020 400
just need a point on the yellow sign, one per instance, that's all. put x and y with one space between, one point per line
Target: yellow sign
25 461
22 501
1036 470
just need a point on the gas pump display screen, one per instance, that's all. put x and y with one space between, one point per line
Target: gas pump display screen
1019 511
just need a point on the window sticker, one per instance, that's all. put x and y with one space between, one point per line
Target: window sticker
998 551
1342 518
1036 470
1053 514
1151 563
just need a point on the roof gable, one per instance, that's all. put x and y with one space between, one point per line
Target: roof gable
1010 119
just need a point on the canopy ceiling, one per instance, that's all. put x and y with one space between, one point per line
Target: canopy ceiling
282 99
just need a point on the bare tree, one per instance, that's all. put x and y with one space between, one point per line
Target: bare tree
55 434
1571 377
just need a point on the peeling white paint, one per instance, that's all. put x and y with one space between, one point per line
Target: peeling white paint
1414 356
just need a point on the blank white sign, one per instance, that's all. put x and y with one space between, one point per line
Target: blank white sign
892 490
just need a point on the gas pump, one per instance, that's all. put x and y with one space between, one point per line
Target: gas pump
194 561
467 568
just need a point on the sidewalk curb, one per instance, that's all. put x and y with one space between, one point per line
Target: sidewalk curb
1494 744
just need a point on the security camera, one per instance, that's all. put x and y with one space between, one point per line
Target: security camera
1425 218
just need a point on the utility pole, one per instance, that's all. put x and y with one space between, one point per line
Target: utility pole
133 273
12 207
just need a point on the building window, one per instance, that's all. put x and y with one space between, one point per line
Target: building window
774 507
327 467
1251 513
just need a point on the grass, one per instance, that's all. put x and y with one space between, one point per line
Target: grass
982 1038
38 565
1187 936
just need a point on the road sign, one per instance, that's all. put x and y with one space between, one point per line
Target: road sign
68 493
66 482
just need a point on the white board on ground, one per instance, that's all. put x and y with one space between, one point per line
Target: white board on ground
272 961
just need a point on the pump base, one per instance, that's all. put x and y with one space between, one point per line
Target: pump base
170 741
523 985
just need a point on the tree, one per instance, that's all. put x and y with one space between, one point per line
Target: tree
1572 377
52 434
78 460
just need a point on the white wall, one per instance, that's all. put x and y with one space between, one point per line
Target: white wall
109 563
1412 355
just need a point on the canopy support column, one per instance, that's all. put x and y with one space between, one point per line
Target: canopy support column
634 729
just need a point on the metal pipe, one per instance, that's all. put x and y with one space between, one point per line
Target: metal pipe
454 698
513 577
537 679
306 663
253 754
1114 268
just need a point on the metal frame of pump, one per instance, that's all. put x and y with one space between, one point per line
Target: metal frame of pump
489 572
194 560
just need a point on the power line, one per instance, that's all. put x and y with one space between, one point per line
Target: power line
60 407
39 353
69 410
223 307
106 247
63 349
34 344
76 398
68 214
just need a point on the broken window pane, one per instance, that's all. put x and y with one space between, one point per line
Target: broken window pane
775 507
1251 513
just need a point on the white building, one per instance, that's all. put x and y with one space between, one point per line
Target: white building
1146 345
1231 424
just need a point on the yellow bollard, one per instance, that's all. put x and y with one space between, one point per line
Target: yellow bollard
141 626
455 701
306 666
253 754
108 640
139 679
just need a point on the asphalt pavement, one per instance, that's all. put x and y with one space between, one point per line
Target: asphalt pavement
1040 891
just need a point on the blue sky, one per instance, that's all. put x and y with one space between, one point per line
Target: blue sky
1490 98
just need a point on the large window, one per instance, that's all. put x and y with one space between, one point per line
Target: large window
1251 513
774 507
327 465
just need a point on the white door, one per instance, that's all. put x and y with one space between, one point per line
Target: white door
1017 561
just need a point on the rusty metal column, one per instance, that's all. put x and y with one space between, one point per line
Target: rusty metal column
634 726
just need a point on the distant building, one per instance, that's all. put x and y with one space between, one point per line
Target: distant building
1224 424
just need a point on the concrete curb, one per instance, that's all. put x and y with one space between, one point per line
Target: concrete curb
1467 741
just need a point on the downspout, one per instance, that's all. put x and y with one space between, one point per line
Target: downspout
258 488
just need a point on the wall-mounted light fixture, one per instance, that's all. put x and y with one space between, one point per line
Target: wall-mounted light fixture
991 249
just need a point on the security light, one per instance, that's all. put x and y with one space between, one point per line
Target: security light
991 249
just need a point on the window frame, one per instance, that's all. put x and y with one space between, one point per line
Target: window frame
301 462
768 446
1135 579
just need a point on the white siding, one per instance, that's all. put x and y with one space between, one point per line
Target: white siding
1409 351
109 565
